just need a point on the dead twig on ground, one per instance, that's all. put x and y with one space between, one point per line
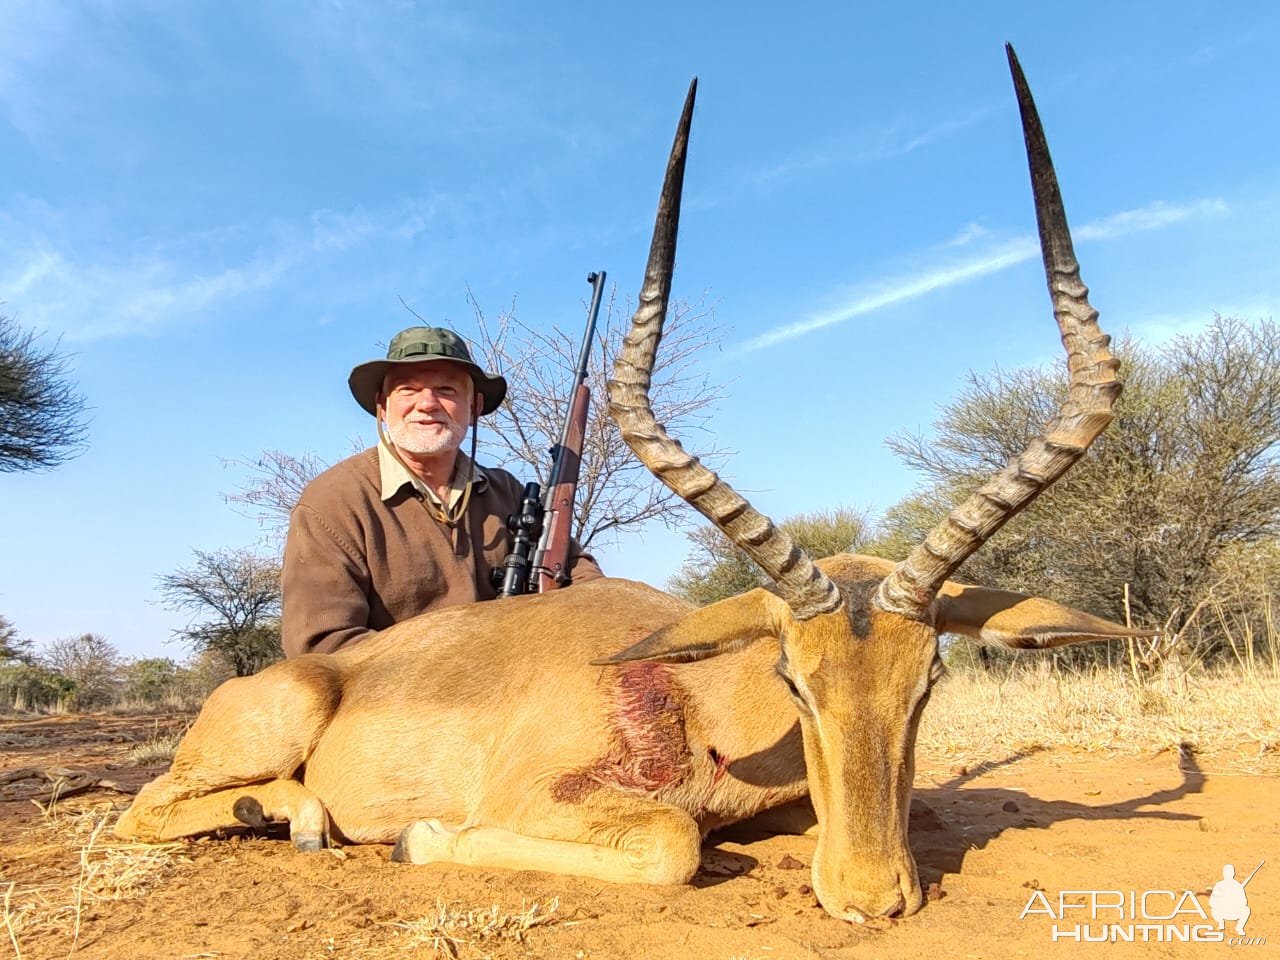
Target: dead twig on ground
53 784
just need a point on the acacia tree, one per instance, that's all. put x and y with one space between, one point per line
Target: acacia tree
719 568
12 647
1186 477
234 598
91 662
615 492
42 417
25 684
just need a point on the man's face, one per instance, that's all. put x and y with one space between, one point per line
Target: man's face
427 406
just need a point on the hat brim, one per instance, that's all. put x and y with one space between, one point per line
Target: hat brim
366 381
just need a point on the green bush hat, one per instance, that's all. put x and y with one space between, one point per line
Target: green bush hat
423 345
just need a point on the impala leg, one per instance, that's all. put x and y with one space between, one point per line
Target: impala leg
250 739
620 839
255 806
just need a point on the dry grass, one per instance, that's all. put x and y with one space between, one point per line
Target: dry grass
47 919
156 749
452 926
18 703
109 870
1035 707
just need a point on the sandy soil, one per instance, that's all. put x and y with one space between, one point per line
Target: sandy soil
986 836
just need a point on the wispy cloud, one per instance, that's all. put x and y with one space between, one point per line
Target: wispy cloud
967 235
864 147
900 289
1154 216
93 294
992 260
334 230
941 131
95 301
59 283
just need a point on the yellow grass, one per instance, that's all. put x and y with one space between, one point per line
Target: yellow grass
451 926
158 748
1228 710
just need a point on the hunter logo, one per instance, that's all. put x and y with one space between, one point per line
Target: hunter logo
1149 916
1228 901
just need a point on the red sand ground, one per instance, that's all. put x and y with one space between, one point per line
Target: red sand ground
986 838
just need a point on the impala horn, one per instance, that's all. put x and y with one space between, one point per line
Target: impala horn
1095 385
802 585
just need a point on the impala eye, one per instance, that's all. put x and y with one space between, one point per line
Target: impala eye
792 688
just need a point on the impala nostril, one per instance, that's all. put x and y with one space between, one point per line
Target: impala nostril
854 914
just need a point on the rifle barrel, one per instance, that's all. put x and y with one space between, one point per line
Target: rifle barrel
596 280
597 291
1250 876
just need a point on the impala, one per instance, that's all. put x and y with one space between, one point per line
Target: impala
603 730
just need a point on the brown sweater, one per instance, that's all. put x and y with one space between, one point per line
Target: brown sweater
355 564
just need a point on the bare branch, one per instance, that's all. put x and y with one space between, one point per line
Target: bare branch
615 492
276 481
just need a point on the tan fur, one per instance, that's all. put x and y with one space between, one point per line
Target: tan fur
489 729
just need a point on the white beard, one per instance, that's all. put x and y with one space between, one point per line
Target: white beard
445 435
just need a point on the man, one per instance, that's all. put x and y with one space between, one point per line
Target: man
413 523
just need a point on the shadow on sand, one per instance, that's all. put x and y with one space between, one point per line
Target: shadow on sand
974 816
953 818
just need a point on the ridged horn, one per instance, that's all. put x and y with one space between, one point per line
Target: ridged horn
806 589
1094 387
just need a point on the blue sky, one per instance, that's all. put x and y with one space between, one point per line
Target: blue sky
218 207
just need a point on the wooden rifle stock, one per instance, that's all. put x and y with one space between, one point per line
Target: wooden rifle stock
551 561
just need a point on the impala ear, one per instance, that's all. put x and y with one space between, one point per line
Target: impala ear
1019 621
710 631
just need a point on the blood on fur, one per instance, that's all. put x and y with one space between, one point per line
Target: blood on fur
648 749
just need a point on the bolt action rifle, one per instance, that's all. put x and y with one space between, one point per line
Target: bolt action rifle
547 521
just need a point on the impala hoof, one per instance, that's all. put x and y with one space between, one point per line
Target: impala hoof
249 812
309 842
424 842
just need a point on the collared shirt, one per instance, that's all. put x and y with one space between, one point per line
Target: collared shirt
393 475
